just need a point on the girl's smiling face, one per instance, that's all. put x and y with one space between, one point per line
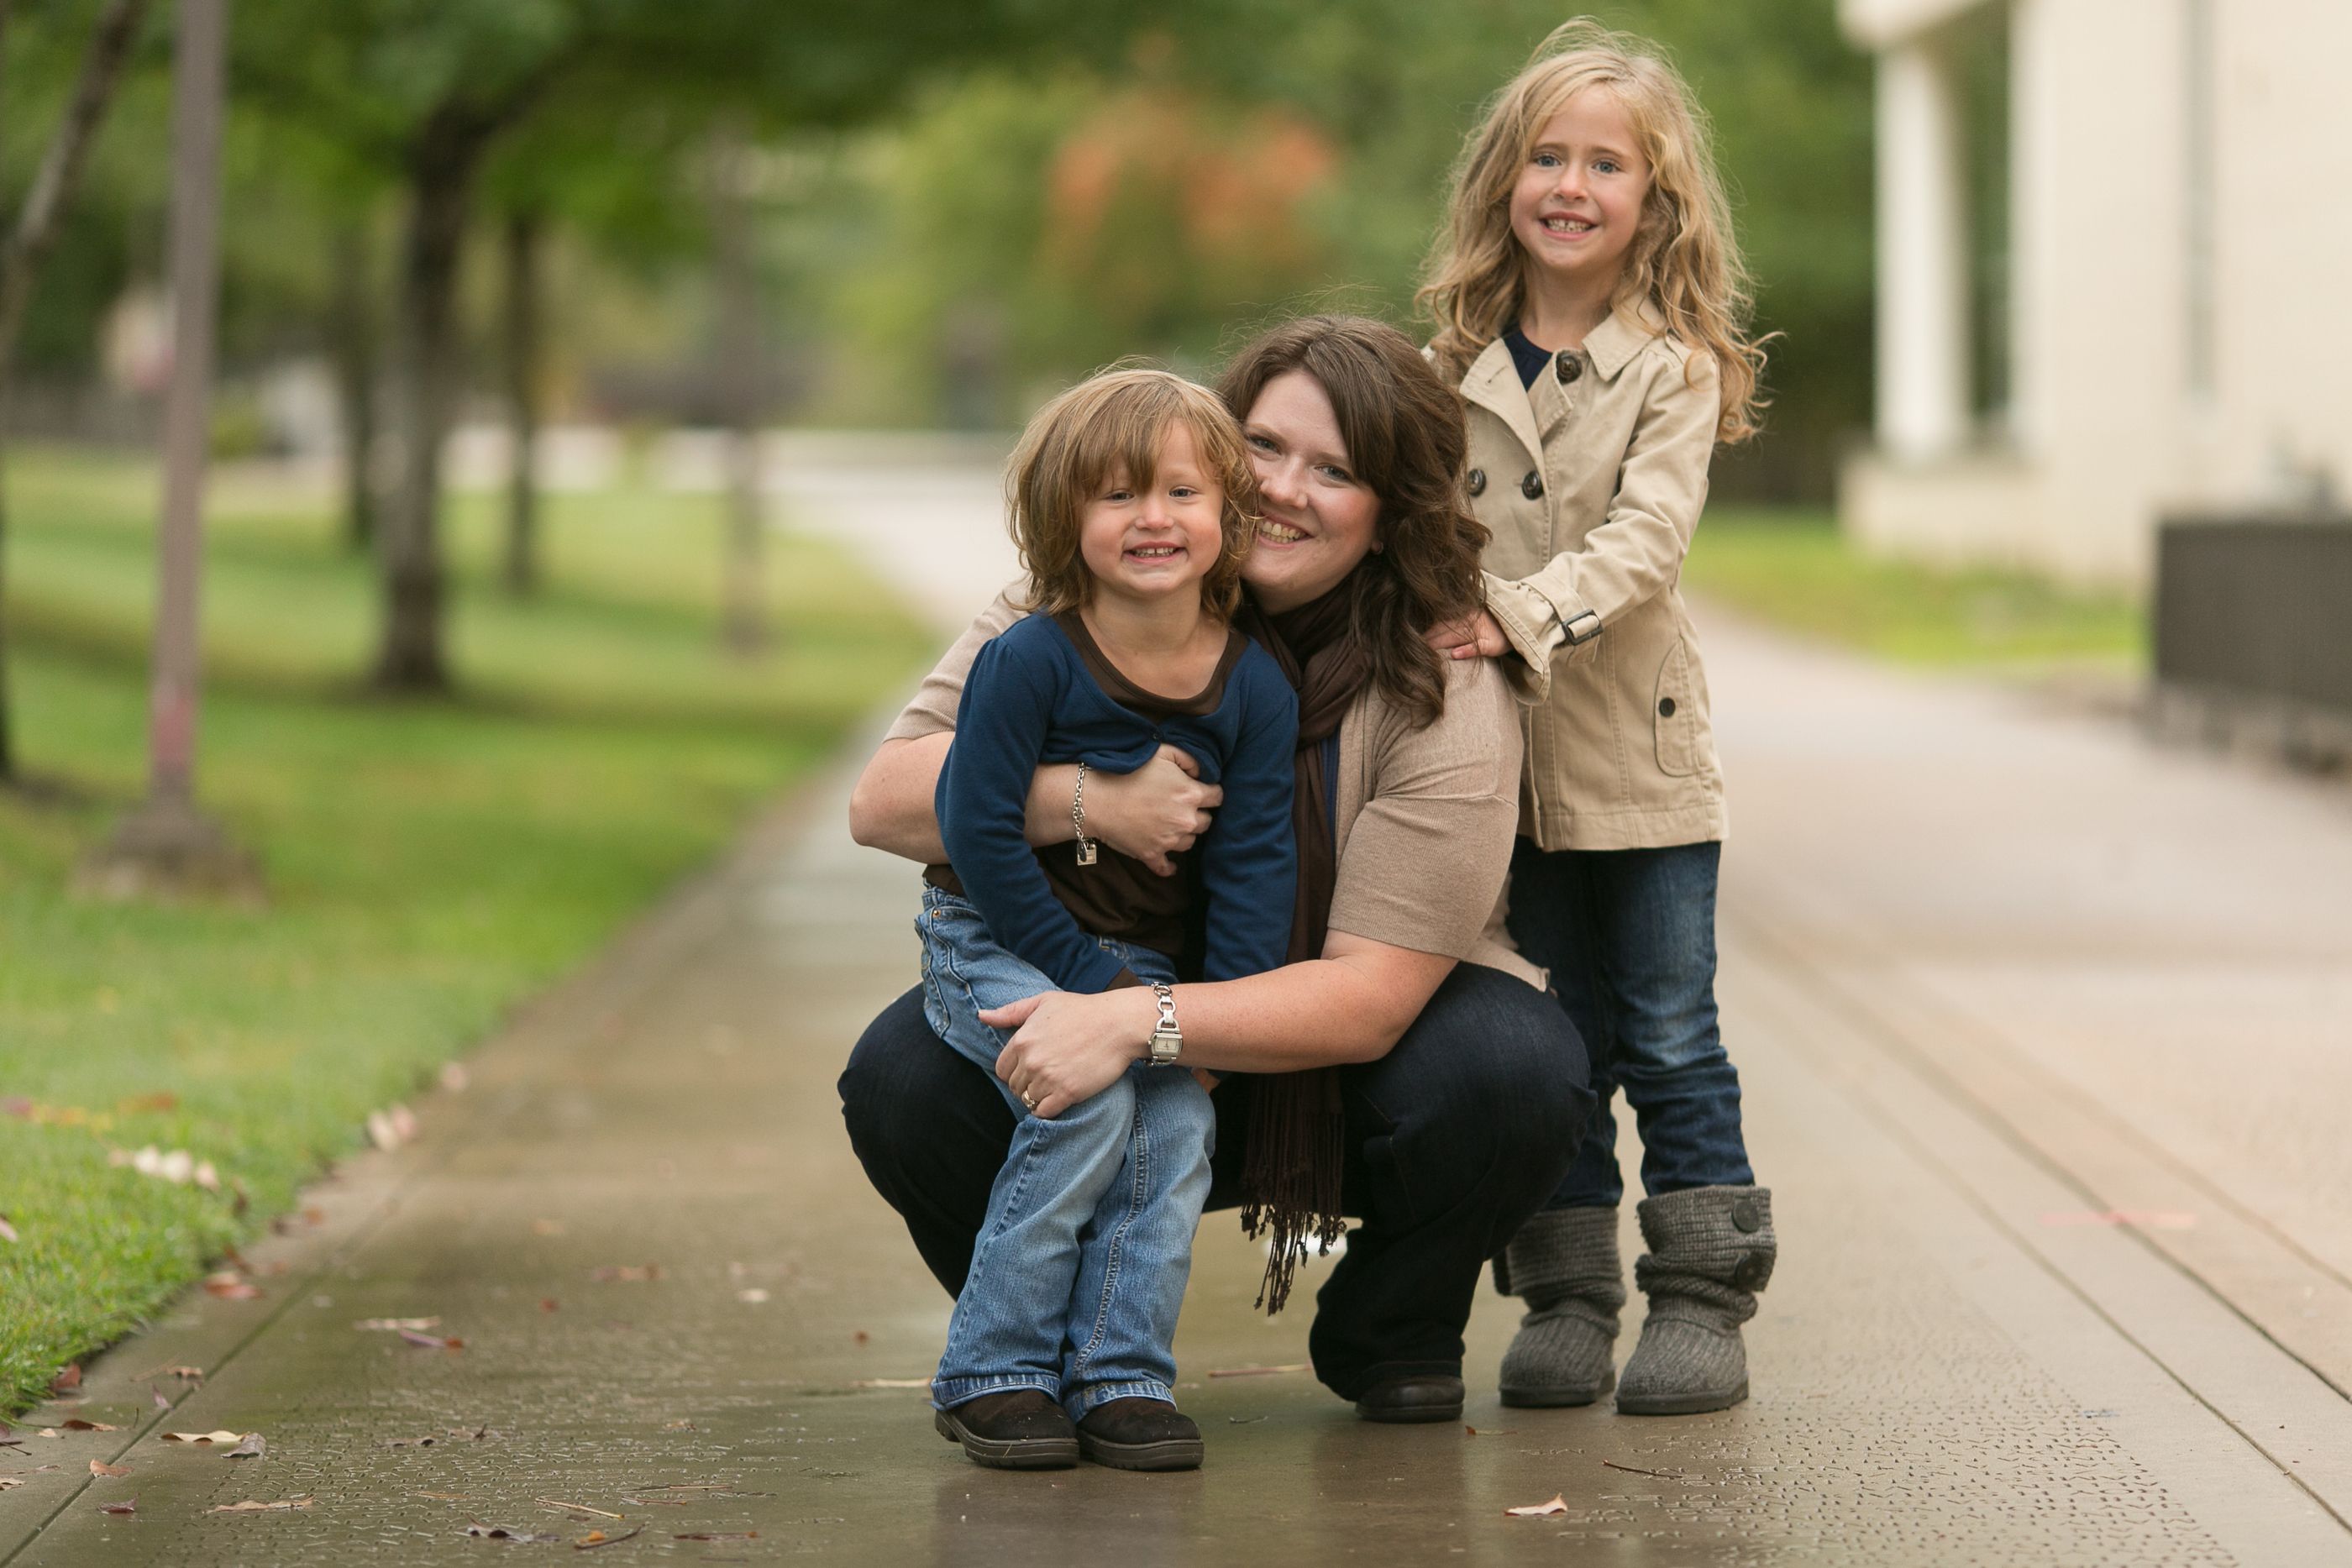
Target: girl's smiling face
1576 202
1317 520
1145 539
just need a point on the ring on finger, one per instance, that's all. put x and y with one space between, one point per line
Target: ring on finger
1028 1100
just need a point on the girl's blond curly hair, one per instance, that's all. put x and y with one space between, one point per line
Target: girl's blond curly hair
1684 263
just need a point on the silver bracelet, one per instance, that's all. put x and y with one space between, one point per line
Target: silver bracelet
1078 820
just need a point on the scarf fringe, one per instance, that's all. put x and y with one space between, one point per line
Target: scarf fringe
1297 1151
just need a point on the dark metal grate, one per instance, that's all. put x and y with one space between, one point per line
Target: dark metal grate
2261 608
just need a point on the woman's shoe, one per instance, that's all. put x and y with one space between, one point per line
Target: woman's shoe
1711 1249
1563 1264
1019 1429
1416 1397
1141 1434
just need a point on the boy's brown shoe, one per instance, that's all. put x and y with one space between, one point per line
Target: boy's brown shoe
1141 1434
1021 1429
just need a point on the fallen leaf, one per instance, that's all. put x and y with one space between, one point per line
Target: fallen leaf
99 1467
223 1437
756 1295
7 1231
547 1303
1258 1371
719 1535
576 1507
314 1215
430 1342
128 1505
185 1373
627 1273
229 1288
8 1482
251 1447
249 1506
860 1337
1536 1510
156 1395
598 1538
677 1426
67 1379
394 1325
502 1532
76 1424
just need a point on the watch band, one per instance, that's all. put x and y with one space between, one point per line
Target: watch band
1166 1042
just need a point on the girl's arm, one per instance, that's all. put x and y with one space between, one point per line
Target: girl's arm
1154 813
1638 549
1350 1005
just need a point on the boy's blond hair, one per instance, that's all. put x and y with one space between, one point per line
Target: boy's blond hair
1112 423
1684 263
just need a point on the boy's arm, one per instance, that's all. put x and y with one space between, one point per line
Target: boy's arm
1638 549
1249 860
1007 705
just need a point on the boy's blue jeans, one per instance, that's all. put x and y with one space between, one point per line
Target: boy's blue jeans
1629 937
1080 1266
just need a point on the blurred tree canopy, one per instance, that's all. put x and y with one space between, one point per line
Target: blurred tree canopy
1012 230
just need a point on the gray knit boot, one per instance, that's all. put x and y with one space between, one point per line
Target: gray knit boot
1563 1264
1711 1250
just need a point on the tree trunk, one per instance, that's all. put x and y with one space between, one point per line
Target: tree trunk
524 228
441 178
29 241
744 622
351 343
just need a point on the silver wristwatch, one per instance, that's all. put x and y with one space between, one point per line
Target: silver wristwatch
1166 1040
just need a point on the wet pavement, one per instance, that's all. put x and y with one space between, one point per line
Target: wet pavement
2043 1041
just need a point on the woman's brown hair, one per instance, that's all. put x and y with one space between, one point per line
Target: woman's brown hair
1110 425
1405 437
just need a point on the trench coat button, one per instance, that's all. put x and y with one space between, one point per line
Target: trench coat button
1532 485
1569 366
1477 481
1744 1212
1666 710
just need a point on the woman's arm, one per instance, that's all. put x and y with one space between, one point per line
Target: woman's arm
1154 813
1350 1005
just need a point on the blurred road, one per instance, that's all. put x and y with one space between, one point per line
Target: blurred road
2043 1034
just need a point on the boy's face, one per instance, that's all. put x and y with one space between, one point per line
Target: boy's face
1577 200
1145 539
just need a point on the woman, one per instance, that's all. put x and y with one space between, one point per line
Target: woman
1455 1090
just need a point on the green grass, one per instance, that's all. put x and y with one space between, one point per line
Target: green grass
429 864
1793 569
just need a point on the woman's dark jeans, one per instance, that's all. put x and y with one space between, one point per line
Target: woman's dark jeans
1629 937
1458 1134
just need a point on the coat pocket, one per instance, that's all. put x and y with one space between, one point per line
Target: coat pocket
1675 710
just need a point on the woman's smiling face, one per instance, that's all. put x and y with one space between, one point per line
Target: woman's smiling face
1319 519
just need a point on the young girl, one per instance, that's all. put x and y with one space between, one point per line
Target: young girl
1131 501
1592 302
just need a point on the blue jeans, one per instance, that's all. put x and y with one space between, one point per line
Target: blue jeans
1080 1264
1629 937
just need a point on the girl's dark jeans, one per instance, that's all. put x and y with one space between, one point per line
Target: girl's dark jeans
1629 937
1453 1137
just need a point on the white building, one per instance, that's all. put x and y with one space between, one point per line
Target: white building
2177 276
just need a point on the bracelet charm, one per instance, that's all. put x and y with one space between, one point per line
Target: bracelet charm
1078 820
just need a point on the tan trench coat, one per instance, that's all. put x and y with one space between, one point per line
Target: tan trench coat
1592 480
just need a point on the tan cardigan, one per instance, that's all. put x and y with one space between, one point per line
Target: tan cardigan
1426 817
1592 480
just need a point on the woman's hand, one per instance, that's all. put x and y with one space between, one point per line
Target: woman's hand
1475 636
1067 1048
1156 811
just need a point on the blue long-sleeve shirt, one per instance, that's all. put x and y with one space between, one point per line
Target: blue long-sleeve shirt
1034 695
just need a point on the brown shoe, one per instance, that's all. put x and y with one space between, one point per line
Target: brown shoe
1141 1434
1021 1429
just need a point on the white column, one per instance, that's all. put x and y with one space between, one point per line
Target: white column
2035 195
1923 342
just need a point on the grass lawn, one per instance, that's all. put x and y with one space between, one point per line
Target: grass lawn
1793 569
430 864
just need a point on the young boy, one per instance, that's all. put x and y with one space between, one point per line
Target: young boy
1130 501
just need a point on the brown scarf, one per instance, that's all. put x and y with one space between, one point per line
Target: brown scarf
1297 1127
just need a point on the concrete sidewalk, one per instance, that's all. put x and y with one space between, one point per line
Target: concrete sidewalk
2042 1032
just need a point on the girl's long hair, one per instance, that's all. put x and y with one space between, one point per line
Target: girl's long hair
1683 263
1406 440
